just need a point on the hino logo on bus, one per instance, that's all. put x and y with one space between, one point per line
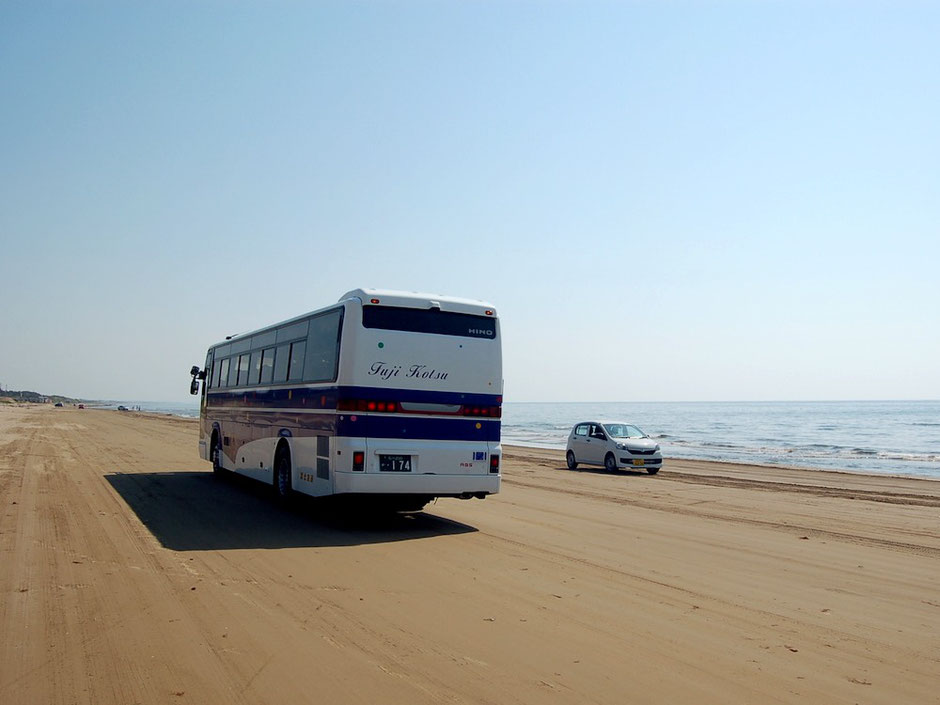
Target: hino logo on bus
481 331
386 371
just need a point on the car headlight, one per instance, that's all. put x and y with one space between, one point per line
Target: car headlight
656 449
621 446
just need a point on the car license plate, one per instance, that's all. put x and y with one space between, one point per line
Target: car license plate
638 462
395 463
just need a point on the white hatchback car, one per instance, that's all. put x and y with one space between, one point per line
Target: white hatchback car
613 445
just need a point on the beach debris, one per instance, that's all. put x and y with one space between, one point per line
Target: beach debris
859 682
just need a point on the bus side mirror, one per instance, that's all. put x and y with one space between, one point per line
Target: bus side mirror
197 375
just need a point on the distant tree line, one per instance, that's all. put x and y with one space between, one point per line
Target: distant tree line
27 395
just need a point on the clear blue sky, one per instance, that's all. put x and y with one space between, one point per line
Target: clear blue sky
664 200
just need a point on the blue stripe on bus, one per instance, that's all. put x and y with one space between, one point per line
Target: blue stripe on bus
326 397
403 426
299 398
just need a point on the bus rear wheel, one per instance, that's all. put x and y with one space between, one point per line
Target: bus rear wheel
282 482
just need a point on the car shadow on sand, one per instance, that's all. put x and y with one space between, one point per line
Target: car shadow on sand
195 511
600 470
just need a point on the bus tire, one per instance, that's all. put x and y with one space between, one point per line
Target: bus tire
610 462
282 481
215 455
571 460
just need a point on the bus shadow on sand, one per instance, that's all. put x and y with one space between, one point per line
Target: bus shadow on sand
194 511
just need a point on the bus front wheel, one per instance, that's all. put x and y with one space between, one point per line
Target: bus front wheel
215 455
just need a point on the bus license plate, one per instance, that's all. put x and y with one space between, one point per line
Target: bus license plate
395 463
638 462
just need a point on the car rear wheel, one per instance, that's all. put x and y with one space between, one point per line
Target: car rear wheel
572 462
610 462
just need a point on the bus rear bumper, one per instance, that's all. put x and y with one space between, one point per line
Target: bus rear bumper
403 483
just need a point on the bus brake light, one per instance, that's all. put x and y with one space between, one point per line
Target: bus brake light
494 463
359 460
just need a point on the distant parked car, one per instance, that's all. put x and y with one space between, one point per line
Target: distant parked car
613 445
81 406
58 403
122 408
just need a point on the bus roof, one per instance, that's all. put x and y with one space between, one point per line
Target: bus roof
408 299
414 299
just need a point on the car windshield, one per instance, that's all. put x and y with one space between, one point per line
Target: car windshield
623 430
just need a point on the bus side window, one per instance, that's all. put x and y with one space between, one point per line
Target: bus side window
296 368
223 379
323 347
243 367
281 360
267 366
233 371
254 370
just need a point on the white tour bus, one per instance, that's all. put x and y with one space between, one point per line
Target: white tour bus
389 394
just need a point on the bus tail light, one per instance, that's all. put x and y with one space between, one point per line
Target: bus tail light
494 463
388 407
359 460
493 412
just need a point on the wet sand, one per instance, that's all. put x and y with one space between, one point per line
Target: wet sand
131 575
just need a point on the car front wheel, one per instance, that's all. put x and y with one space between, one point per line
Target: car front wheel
610 462
572 462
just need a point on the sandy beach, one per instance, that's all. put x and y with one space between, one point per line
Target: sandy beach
131 575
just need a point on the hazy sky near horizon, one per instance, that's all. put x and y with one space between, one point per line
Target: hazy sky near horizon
664 200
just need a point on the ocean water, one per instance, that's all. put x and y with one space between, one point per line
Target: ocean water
876 437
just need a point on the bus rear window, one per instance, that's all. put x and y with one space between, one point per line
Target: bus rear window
429 320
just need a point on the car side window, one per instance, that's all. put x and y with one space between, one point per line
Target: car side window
581 430
598 432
